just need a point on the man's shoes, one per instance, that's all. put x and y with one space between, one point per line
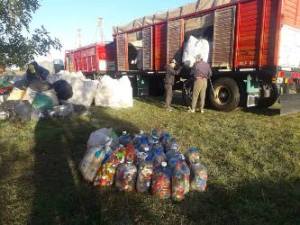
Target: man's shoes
191 110
169 109
201 111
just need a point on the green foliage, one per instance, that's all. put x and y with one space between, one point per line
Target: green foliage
15 47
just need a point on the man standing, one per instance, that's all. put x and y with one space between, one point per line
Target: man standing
202 72
169 82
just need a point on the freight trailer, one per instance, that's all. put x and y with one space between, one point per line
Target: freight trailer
98 58
254 50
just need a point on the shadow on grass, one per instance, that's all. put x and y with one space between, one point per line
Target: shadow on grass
263 111
61 196
255 202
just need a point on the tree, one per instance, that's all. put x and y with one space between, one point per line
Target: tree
17 44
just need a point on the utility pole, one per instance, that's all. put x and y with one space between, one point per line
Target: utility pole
99 33
78 38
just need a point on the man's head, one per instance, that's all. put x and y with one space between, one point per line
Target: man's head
31 67
173 63
199 58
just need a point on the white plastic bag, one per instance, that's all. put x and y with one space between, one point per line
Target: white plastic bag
193 48
99 138
114 93
91 163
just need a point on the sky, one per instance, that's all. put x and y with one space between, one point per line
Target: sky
62 18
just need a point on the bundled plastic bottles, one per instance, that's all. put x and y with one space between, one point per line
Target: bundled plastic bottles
125 138
91 163
173 159
158 156
180 181
192 156
145 172
126 176
130 155
161 182
198 177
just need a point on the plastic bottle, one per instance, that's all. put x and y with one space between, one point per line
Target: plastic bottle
130 154
145 172
161 182
198 177
192 155
158 156
124 139
105 176
137 140
91 163
176 157
126 176
172 145
180 181
165 139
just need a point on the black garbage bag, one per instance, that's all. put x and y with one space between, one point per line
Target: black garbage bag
63 90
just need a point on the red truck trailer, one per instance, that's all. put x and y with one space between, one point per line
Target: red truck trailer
92 59
255 49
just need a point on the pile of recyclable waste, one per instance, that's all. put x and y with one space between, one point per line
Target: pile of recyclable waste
144 163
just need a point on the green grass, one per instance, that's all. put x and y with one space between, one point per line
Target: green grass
253 159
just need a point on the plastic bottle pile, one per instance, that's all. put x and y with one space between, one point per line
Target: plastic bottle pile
143 162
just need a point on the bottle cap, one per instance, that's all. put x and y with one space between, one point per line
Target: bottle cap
124 132
164 164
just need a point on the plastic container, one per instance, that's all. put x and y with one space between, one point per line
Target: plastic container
158 157
198 177
180 181
91 163
161 182
130 154
106 174
192 155
144 177
126 176
125 138
174 159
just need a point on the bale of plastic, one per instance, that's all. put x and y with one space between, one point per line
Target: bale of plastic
180 181
193 48
161 182
145 171
114 93
199 176
126 177
91 163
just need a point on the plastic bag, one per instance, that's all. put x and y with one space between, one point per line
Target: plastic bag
126 177
145 172
100 137
198 177
42 102
105 176
193 48
91 163
161 182
192 156
180 181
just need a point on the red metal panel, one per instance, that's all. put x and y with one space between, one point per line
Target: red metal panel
160 46
249 27
291 13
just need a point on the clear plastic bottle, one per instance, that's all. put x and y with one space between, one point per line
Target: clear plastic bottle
198 177
192 155
174 158
145 172
180 181
158 156
126 176
161 182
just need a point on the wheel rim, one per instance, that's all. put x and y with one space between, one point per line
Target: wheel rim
223 95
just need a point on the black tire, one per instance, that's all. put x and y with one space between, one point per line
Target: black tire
268 102
227 96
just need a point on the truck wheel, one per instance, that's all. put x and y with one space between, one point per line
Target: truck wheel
268 102
227 94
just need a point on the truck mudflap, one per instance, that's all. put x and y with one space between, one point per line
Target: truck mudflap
290 104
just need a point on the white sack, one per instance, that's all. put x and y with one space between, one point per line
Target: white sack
100 137
114 93
193 48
